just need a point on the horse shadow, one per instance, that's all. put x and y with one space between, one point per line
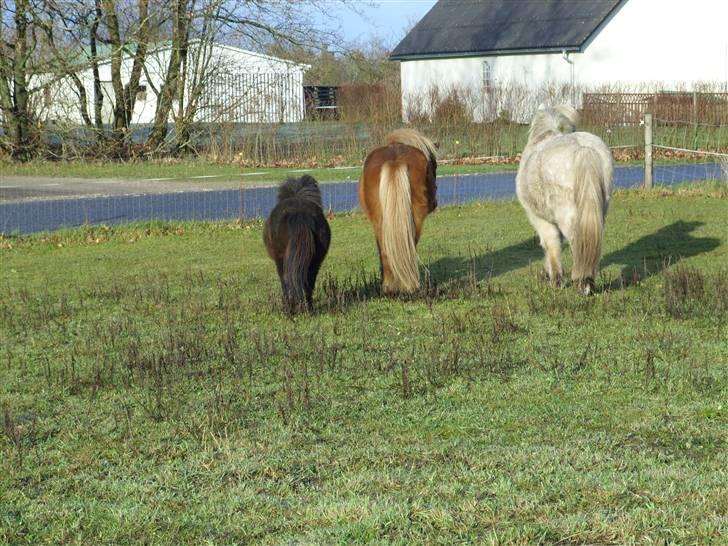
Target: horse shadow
640 259
651 254
338 293
454 270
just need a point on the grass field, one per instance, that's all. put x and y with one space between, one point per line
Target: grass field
187 170
152 391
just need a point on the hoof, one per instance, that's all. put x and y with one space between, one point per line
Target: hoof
586 286
555 281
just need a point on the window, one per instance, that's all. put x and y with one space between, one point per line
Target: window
487 75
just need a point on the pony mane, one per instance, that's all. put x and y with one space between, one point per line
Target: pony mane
414 138
557 120
305 188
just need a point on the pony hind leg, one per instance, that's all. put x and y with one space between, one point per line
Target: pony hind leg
550 238
390 286
385 272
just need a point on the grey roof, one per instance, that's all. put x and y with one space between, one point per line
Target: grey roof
462 28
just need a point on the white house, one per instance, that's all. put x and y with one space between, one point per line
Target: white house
239 86
481 45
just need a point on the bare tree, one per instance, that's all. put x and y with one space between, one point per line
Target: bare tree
182 15
78 40
17 47
197 24
60 22
125 95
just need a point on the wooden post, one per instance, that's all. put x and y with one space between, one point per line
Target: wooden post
648 151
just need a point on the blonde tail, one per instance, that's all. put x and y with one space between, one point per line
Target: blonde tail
398 228
591 203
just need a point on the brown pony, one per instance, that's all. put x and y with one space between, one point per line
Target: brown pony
397 191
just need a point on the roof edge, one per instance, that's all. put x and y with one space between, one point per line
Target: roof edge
491 53
160 47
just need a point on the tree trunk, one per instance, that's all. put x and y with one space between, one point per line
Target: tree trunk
14 97
180 43
98 92
132 87
125 96
119 123
196 77
82 99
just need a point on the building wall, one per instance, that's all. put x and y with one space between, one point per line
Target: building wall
267 101
656 43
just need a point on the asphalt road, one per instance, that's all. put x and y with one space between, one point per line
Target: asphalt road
32 207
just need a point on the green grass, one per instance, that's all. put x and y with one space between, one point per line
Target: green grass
184 171
151 390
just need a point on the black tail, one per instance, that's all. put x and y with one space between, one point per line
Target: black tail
297 275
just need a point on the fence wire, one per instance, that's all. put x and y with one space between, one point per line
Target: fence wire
685 153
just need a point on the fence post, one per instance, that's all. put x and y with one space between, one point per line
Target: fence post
242 204
694 111
648 151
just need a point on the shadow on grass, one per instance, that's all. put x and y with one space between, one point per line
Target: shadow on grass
651 254
338 293
647 256
640 259
454 269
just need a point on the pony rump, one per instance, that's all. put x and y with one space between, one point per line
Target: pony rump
558 120
411 137
305 188
297 236
564 182
398 228
397 190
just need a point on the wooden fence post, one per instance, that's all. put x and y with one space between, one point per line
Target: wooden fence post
648 151
694 111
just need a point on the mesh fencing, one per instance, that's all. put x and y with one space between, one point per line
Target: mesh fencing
684 153
688 152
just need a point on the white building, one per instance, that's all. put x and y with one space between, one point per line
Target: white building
482 45
240 86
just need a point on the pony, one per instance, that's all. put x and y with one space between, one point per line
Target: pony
397 190
297 237
564 182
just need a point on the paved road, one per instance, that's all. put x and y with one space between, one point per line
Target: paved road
26 188
50 214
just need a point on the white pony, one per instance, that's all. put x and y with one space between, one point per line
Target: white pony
564 182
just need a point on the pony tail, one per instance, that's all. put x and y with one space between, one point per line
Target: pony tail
299 253
398 227
590 200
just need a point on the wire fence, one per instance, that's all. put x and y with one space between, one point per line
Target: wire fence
688 151
685 152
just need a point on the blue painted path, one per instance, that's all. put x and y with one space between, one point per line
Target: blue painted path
48 215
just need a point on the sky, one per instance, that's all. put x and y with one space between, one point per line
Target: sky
385 19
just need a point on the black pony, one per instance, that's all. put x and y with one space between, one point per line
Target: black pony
297 237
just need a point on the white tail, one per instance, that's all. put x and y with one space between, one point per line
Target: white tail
591 203
398 228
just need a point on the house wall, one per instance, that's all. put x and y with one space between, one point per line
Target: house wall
657 43
267 102
253 89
